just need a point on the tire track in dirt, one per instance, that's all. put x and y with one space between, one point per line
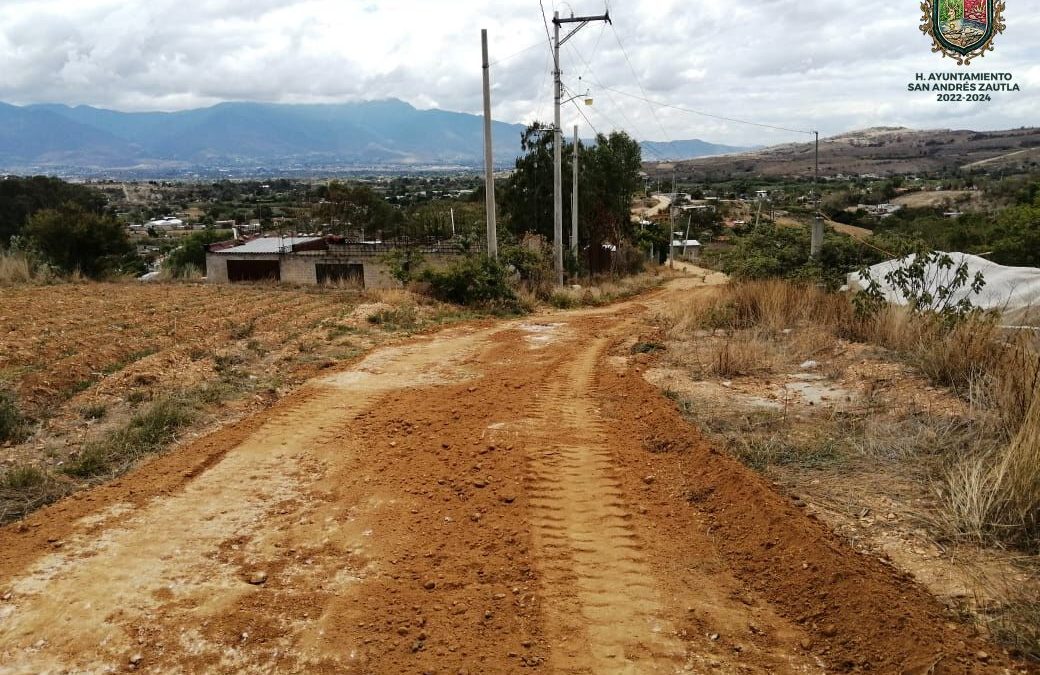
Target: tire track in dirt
603 611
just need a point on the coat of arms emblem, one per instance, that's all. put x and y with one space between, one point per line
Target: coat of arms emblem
962 29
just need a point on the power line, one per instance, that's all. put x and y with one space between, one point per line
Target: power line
585 117
704 114
517 53
545 21
545 77
628 122
635 76
643 144
595 49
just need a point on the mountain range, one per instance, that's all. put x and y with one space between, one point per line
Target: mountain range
371 133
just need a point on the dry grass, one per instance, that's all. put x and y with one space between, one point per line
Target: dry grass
25 488
392 296
15 268
981 465
991 492
602 291
744 354
995 495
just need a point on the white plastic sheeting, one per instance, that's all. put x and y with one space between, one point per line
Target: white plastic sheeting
1015 291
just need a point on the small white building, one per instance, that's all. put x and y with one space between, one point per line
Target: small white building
167 223
687 248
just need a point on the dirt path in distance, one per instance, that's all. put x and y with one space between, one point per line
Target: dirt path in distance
482 500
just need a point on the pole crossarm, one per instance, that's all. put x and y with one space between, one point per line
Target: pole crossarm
582 21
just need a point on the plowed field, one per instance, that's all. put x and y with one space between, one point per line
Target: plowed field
57 340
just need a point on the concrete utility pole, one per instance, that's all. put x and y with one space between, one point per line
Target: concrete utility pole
671 226
582 21
574 199
489 169
817 224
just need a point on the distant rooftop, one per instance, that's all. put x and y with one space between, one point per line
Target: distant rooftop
270 245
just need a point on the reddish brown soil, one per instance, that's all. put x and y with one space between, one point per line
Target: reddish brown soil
56 340
483 500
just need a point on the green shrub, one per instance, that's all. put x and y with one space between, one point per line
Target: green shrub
405 317
23 478
147 432
474 280
73 239
404 264
533 263
94 411
562 298
12 424
191 254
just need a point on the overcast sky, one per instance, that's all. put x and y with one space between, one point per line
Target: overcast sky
835 65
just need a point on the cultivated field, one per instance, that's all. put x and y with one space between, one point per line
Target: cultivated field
61 340
94 377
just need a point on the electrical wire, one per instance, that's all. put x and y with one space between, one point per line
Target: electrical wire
585 117
588 67
595 49
541 87
628 122
517 53
635 76
548 35
704 114
613 123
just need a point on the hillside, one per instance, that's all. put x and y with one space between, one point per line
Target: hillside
248 135
882 151
679 150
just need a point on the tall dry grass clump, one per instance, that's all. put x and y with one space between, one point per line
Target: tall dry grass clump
15 268
742 355
775 305
994 496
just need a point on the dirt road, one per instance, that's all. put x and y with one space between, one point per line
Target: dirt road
493 498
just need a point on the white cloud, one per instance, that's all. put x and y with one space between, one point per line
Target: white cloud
795 63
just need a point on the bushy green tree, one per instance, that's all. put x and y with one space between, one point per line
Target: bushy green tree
70 238
20 198
608 178
192 251
526 202
347 208
1017 240
772 251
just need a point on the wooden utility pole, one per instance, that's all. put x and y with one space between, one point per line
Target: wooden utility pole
489 168
558 42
